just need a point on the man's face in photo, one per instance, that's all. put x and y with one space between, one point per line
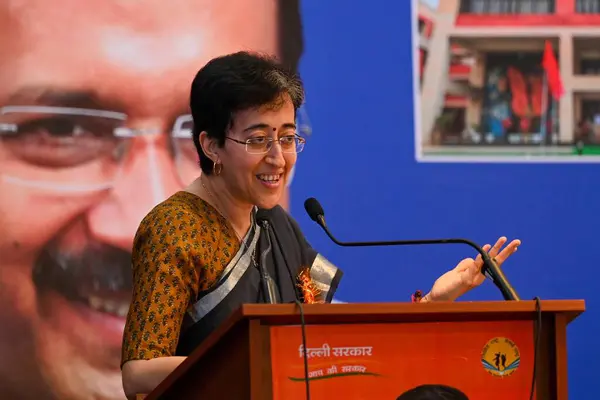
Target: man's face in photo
94 131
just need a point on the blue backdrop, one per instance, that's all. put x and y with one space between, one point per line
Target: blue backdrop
360 163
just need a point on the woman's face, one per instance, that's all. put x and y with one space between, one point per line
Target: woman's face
252 175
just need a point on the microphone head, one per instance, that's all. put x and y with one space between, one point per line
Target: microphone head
314 210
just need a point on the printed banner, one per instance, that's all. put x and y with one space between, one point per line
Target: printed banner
485 96
484 360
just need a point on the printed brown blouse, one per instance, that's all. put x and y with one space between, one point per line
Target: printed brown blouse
180 249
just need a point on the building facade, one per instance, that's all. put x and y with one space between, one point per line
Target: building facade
482 81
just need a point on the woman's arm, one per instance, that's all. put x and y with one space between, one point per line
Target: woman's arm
143 376
164 281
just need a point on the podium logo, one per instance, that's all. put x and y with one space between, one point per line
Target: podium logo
500 357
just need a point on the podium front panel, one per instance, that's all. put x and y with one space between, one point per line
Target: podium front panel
490 360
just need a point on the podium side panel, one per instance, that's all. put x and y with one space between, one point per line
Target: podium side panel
220 373
558 346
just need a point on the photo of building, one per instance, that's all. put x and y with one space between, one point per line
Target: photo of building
508 80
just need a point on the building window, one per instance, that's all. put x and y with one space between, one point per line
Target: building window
451 126
590 66
588 127
507 6
587 6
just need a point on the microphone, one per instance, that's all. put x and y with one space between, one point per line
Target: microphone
267 283
490 268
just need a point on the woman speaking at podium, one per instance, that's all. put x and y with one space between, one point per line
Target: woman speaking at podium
224 241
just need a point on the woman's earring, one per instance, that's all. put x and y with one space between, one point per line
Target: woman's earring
217 168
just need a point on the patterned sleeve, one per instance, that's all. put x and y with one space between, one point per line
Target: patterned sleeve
164 281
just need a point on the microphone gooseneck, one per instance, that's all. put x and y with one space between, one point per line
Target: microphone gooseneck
490 268
266 281
269 290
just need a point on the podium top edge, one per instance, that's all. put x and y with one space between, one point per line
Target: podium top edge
570 308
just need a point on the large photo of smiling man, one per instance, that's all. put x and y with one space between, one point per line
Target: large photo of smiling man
94 131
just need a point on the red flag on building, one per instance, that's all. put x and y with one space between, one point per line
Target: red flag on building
552 72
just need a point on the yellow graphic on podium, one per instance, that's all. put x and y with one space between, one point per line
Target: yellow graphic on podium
500 357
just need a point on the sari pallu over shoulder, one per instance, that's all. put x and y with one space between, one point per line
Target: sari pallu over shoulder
275 240
292 253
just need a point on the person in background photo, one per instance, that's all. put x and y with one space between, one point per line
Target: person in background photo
433 392
94 131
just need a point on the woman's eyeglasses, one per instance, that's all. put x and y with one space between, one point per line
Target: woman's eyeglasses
263 144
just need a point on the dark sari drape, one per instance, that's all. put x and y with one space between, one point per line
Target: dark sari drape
275 240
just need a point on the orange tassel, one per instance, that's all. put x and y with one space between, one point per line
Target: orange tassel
310 291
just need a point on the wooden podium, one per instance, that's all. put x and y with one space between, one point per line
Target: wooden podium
379 351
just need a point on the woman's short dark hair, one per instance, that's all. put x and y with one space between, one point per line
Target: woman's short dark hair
236 82
433 392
